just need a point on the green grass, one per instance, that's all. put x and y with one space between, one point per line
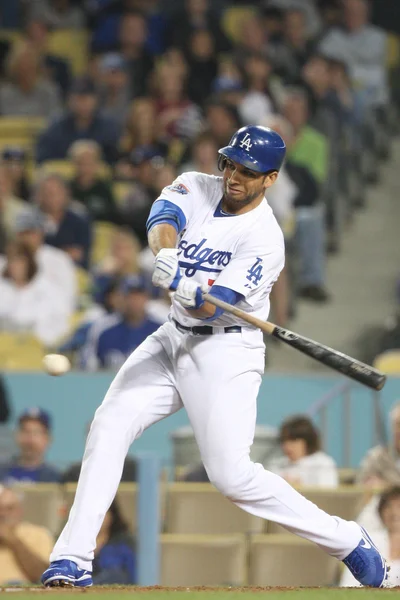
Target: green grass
204 594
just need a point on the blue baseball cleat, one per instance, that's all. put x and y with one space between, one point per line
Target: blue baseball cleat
367 564
66 573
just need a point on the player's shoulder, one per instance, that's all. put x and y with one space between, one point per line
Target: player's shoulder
265 229
196 182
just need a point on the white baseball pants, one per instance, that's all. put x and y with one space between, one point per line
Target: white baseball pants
216 378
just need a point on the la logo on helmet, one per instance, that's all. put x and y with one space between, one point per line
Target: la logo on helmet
246 142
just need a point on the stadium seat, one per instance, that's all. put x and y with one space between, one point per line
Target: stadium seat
25 127
393 51
388 362
345 502
127 500
200 508
102 236
42 504
232 20
286 560
84 281
72 46
188 560
20 352
10 35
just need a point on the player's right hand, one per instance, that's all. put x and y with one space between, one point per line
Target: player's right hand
167 273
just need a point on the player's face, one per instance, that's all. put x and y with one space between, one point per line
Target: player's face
243 186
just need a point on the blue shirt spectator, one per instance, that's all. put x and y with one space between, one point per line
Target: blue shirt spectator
115 557
113 338
64 227
33 439
80 121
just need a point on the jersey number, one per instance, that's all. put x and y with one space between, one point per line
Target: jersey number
255 272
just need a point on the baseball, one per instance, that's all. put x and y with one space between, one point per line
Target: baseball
56 364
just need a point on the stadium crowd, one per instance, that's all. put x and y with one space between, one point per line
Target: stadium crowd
159 88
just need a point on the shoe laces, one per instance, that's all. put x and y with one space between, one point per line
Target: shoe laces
357 563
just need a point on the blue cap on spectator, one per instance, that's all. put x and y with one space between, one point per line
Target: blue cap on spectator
13 153
112 62
36 414
29 220
134 283
143 153
83 86
227 84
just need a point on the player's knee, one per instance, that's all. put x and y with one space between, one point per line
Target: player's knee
231 479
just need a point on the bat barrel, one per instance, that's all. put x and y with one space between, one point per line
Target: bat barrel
346 365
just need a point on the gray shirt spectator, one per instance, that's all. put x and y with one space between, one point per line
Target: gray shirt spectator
363 48
26 93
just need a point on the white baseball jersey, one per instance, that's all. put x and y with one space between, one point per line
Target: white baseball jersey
242 252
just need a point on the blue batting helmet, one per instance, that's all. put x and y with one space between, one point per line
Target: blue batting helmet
257 148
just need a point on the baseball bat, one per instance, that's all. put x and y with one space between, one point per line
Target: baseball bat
338 361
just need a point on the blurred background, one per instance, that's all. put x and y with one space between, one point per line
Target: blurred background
102 104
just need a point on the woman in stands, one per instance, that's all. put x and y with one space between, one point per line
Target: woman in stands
115 560
303 462
29 302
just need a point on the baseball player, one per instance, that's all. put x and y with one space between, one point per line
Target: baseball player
215 234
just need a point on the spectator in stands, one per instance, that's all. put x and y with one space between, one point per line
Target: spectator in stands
313 21
121 262
136 206
30 303
14 160
204 153
7 443
54 67
24 547
253 37
10 205
223 120
291 52
132 40
26 93
33 437
381 465
109 302
202 65
59 14
303 462
140 127
308 151
386 537
114 92
64 227
110 344
363 48
81 120
88 186
258 101
54 264
177 116
196 15
115 556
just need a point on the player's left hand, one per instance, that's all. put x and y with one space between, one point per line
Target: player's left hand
190 293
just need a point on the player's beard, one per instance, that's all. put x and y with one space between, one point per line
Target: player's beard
233 204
